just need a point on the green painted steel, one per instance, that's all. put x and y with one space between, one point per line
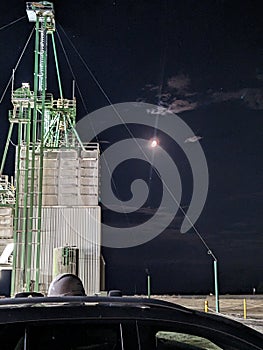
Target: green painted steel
16 216
52 166
41 155
216 286
50 121
32 180
26 197
6 147
149 286
44 123
23 222
57 67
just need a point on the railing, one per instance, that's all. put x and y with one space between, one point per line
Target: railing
7 191
17 115
21 95
64 103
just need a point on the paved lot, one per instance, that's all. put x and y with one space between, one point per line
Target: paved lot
230 306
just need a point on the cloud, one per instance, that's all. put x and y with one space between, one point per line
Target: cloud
164 97
254 98
151 87
177 96
180 105
250 97
159 110
193 139
181 83
220 96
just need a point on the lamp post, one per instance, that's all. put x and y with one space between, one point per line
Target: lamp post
215 280
148 283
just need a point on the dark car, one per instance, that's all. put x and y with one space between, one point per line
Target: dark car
116 323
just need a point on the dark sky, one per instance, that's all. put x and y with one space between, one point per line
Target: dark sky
204 61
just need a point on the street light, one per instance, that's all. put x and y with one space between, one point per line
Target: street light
209 251
215 280
148 283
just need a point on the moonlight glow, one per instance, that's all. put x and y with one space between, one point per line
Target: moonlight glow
153 143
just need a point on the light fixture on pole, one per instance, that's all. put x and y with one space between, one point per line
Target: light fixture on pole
215 280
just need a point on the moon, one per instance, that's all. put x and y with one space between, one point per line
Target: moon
154 143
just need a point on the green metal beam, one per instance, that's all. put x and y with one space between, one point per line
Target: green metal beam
53 123
41 157
26 210
57 67
33 153
15 276
216 285
75 133
6 148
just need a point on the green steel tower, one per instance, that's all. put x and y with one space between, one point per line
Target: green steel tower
54 197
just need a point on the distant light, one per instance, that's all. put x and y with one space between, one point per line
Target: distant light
154 143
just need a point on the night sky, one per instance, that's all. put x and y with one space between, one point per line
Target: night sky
204 61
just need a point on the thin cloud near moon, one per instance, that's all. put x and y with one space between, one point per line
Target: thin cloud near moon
178 96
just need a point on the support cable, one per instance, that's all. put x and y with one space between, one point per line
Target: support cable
105 95
131 134
72 72
11 23
87 67
17 64
57 67
161 81
86 110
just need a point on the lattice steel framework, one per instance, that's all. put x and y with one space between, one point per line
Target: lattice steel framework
43 124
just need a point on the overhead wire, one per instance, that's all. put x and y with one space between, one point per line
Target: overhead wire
87 67
109 101
11 23
72 72
134 138
17 64
102 90
164 53
162 75
85 105
161 82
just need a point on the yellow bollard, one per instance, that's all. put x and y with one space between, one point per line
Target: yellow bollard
206 306
245 309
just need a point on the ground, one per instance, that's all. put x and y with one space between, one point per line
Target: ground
230 306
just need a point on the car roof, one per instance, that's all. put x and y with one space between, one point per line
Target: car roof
159 315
